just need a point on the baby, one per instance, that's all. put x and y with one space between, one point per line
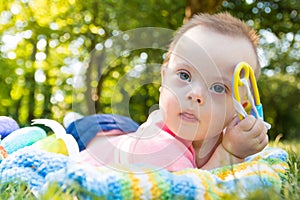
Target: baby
196 125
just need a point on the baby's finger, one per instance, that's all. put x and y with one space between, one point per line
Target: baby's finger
247 123
263 134
259 129
263 143
233 122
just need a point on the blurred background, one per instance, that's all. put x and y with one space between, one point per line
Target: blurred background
46 48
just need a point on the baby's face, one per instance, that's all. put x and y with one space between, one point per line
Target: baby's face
196 93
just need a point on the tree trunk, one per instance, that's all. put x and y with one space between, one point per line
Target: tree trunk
30 84
90 103
201 6
31 100
91 94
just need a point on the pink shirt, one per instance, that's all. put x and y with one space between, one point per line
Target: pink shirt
162 150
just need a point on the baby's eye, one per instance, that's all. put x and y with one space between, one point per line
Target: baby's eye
183 75
218 88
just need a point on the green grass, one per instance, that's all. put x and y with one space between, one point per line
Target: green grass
290 190
15 191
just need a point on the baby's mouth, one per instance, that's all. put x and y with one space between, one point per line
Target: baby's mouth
189 117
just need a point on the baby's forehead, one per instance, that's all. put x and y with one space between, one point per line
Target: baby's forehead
202 47
188 50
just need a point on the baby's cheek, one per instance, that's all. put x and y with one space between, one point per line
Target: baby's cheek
224 110
219 118
168 99
230 113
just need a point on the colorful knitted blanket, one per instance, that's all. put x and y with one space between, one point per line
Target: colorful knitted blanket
40 168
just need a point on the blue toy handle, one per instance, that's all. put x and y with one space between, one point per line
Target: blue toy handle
260 112
259 109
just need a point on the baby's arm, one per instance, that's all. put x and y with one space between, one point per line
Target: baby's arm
239 141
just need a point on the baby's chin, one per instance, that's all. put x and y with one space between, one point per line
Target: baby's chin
190 135
200 136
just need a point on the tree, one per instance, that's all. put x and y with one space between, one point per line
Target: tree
199 6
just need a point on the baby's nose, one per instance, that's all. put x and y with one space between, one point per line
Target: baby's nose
198 99
196 95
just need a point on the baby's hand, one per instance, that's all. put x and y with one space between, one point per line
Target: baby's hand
246 138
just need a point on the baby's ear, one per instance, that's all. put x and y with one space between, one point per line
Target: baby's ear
162 73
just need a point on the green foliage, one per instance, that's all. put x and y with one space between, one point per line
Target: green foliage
280 95
276 16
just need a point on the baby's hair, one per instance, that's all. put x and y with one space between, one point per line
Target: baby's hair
223 23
